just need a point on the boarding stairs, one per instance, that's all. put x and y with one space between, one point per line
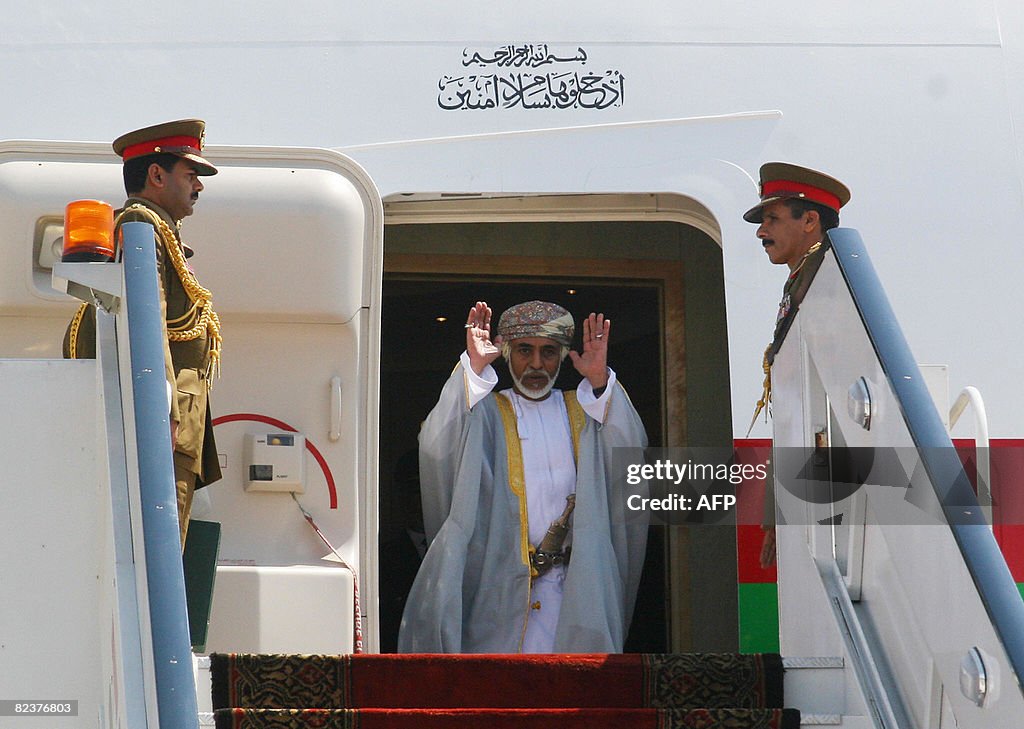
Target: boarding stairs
887 560
94 606
901 614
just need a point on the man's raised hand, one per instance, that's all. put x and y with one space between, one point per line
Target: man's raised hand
481 350
593 363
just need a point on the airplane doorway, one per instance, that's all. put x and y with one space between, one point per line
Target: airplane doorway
426 315
662 284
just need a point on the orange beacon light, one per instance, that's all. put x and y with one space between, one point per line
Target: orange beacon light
88 232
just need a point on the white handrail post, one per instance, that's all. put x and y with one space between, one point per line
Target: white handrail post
970 396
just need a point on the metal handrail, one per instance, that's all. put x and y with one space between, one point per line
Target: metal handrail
177 705
982 557
983 463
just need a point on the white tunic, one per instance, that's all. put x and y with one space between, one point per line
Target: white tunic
550 473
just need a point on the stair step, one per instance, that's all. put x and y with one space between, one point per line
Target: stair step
206 719
507 718
685 681
811 662
816 685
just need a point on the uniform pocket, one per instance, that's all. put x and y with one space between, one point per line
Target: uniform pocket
192 408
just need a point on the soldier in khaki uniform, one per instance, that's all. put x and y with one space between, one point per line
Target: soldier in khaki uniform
798 206
162 167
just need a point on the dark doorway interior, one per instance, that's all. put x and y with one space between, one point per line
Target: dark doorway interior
422 337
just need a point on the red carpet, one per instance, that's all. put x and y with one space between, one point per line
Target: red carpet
693 691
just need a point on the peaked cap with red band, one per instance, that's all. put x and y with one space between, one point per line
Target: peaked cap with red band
783 181
183 138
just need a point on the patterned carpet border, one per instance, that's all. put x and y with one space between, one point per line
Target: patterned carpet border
713 680
281 680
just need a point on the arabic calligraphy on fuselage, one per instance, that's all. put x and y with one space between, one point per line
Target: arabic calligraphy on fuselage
533 55
563 88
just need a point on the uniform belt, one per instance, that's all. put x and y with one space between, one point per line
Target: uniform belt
542 562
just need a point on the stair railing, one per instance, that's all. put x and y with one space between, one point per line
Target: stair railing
937 604
172 650
157 686
970 396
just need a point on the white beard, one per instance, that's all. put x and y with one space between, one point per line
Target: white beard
535 394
